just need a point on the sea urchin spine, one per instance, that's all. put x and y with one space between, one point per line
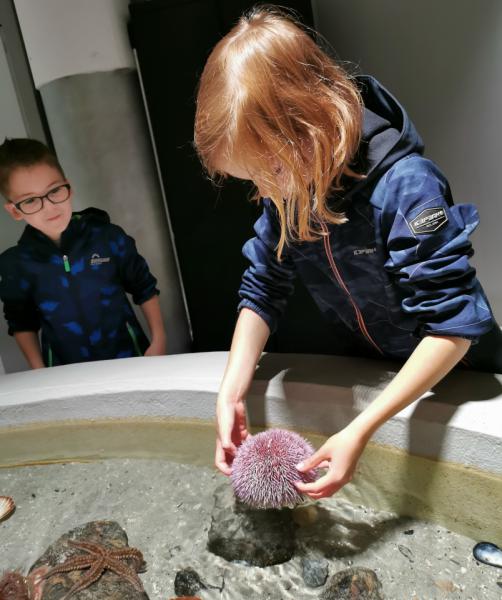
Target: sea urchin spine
264 469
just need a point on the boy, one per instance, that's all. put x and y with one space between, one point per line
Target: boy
69 273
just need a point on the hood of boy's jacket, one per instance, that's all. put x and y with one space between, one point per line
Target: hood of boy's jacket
388 133
80 223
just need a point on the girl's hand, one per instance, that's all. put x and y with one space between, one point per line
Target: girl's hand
232 431
340 454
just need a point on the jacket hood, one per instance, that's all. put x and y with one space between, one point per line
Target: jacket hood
79 223
388 133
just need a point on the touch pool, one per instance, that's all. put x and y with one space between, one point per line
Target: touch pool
131 441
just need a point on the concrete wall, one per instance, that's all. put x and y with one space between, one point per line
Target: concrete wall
11 120
443 61
83 66
11 125
64 37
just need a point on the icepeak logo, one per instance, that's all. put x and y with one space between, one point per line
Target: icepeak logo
365 251
97 260
429 220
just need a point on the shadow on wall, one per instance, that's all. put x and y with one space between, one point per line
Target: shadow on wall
337 388
334 389
353 380
459 387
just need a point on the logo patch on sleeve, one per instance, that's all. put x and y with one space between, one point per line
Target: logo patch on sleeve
429 220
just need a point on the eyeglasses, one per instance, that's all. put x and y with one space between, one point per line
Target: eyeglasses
57 195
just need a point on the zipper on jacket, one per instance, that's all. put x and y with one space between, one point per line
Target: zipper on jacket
66 263
134 338
338 277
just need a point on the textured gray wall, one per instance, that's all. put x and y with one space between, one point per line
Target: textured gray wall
100 133
11 125
443 61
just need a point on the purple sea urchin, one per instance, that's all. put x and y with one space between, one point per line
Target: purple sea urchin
264 469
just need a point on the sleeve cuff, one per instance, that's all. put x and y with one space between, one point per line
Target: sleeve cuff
468 332
270 321
20 328
139 300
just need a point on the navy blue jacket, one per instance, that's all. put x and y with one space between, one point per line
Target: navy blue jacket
398 269
76 293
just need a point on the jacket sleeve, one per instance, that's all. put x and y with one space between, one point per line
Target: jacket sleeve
134 272
267 282
20 310
429 249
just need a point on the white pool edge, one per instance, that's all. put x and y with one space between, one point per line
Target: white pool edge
460 421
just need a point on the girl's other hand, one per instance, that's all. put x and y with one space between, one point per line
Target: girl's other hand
340 454
232 431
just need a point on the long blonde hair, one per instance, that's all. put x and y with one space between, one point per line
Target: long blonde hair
269 94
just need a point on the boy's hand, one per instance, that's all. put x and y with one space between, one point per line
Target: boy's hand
232 431
156 348
340 454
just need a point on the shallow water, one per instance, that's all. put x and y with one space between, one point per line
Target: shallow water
460 498
165 508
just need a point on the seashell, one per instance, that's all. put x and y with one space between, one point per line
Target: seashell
487 553
6 506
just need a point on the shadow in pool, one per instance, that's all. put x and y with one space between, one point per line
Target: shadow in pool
344 530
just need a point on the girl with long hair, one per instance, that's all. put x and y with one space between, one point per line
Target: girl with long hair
352 207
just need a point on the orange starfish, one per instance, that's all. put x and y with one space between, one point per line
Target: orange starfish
99 559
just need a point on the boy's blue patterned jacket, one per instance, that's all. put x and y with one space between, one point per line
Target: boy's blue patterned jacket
76 293
398 269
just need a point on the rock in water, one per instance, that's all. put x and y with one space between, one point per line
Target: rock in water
314 571
357 583
256 537
187 582
109 586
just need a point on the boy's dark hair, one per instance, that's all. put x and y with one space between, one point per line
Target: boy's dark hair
23 152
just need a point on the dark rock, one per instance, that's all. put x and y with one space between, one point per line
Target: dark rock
109 586
356 583
314 571
409 532
187 582
255 537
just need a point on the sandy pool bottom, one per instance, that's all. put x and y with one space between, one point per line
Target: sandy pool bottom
165 508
